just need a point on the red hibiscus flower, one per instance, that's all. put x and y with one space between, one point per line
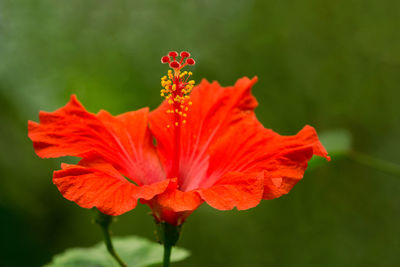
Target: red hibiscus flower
202 144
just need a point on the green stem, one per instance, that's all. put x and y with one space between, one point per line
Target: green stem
104 221
378 164
168 235
167 255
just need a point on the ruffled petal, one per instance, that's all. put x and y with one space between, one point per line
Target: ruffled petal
123 141
282 159
215 109
176 200
94 183
287 165
243 191
222 135
173 205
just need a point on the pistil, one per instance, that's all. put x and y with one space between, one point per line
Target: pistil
176 90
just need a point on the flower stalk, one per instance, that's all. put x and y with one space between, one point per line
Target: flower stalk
104 222
168 235
378 164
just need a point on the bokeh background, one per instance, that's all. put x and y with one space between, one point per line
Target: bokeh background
330 64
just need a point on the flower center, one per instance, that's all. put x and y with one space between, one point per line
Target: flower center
177 86
176 89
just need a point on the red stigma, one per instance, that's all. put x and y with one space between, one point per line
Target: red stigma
174 65
185 54
177 60
165 59
173 54
190 61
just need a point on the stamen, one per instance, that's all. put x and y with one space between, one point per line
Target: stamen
177 86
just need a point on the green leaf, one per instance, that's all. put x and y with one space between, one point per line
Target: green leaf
337 142
135 251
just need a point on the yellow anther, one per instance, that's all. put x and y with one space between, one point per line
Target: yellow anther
177 87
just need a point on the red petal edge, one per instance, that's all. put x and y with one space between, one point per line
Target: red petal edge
213 149
287 168
123 141
243 191
98 184
174 206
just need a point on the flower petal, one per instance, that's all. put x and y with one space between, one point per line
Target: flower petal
215 109
176 200
222 135
290 161
94 183
173 205
244 191
123 141
282 159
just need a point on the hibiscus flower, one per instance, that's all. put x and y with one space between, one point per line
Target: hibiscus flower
202 144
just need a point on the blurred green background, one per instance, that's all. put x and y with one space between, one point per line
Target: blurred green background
330 64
